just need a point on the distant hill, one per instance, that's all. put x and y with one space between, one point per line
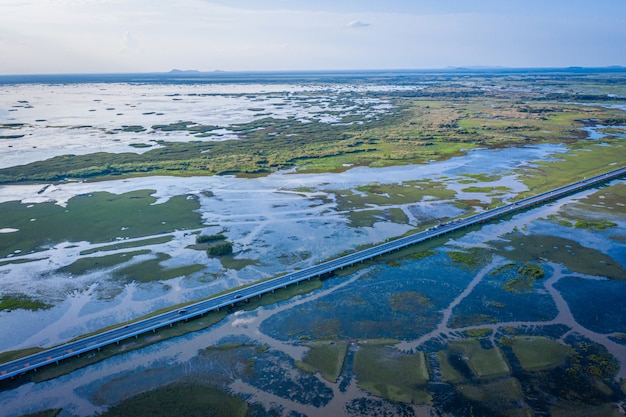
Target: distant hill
178 71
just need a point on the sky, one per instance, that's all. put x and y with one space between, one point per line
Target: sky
117 36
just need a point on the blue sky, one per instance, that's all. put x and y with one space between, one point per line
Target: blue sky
76 36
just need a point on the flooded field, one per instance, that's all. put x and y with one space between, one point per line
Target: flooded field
412 335
139 254
519 317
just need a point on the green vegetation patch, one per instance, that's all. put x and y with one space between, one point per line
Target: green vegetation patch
46 413
482 362
584 160
382 195
577 258
599 225
471 258
140 145
434 124
388 373
482 177
409 301
519 285
230 262
448 373
220 249
209 238
326 357
109 217
605 200
594 360
468 320
539 353
10 302
365 218
11 355
153 270
92 263
142 271
181 399
487 190
133 128
19 261
132 244
524 282
503 396
484 332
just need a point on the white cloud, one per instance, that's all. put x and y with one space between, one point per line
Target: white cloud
357 24
129 43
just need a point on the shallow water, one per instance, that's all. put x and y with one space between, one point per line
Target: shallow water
85 118
378 302
268 219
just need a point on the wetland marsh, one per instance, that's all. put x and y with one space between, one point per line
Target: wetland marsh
107 228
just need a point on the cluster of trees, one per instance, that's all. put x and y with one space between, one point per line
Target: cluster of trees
218 246
209 238
220 249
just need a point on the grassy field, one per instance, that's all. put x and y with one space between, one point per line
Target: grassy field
482 362
504 396
391 374
448 373
109 216
539 353
10 302
126 245
585 159
181 399
534 248
145 271
325 357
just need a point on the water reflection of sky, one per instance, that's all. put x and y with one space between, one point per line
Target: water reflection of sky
436 277
266 218
85 118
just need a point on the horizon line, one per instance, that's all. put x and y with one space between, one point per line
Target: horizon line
179 72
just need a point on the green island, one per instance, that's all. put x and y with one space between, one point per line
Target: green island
14 301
